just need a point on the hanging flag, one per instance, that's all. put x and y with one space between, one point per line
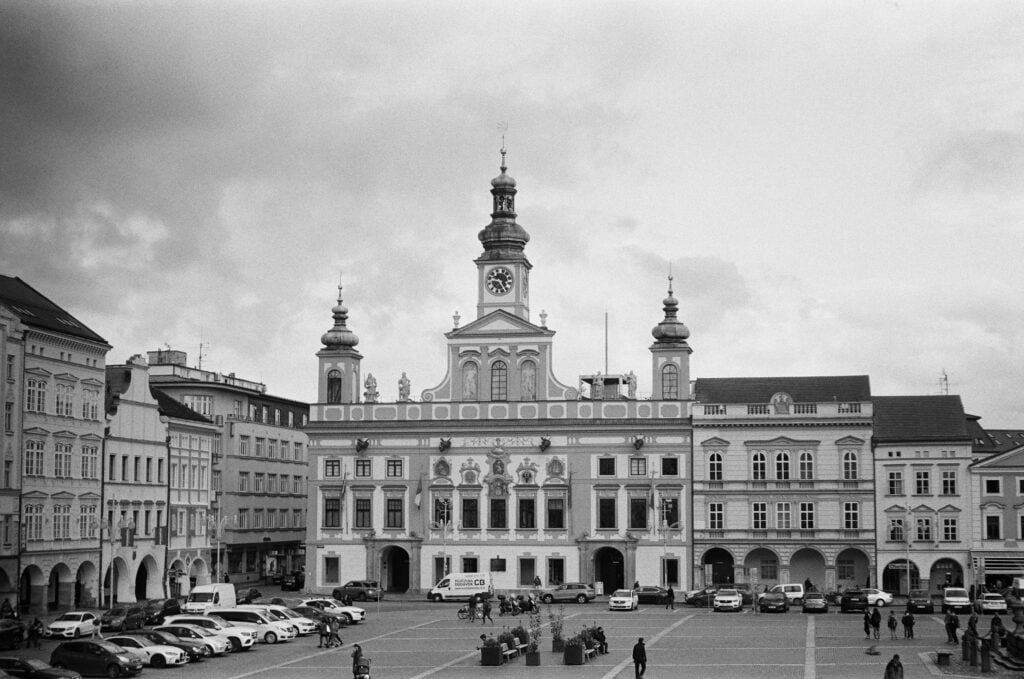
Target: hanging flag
570 488
419 493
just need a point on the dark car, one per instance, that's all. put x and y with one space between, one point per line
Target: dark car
815 602
853 600
745 591
196 651
293 582
12 632
359 590
704 598
773 602
652 594
31 668
96 658
920 601
123 618
317 614
158 609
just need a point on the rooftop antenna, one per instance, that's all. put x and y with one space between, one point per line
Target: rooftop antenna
606 343
202 345
944 383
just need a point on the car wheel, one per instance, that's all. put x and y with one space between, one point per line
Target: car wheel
437 598
236 645
349 618
547 598
581 599
271 638
113 671
206 652
78 633
158 661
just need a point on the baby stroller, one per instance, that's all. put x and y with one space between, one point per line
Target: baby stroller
361 669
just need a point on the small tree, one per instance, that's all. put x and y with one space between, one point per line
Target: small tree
557 622
535 632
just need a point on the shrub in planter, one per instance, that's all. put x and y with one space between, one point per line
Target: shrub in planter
556 623
573 653
490 652
521 634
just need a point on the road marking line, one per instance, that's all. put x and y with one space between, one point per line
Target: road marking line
611 674
809 668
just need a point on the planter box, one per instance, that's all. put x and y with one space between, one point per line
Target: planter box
491 655
533 658
557 645
573 655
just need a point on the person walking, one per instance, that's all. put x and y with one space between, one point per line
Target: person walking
324 632
35 631
952 624
670 599
876 622
908 625
335 639
640 658
357 659
891 624
472 607
894 668
867 624
485 614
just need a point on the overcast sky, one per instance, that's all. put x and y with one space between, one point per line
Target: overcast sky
838 187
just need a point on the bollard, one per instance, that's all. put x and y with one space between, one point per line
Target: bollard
965 647
986 656
973 651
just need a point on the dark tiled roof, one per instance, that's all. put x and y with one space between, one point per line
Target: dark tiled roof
1005 439
176 409
981 442
34 309
845 388
919 418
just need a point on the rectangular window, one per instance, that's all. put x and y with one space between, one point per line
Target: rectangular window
62 522
606 466
259 486
716 516
992 486
261 446
364 468
759 515
670 466
332 468
297 485
470 513
638 466
297 520
638 513
395 516
922 483
272 449
272 483
924 529
34 455
394 469
33 522
442 511
332 512
556 513
895 483
606 512
201 404
243 446
759 467
669 512
806 466
851 515
993 527
950 530
259 518
243 482
8 417
556 571
769 569
297 447
499 513
87 522
845 569
782 466
896 530
527 513
806 515
149 470
364 514
243 518
62 460
783 516
949 482
332 571
136 469
527 571
35 396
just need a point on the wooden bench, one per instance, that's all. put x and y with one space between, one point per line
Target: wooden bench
508 653
520 648
942 658
589 651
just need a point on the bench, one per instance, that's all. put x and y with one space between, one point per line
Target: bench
589 651
942 658
520 647
508 653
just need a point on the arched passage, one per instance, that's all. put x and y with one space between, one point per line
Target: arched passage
807 564
85 586
721 563
60 589
894 577
767 564
394 569
148 583
853 569
946 573
610 569
32 589
121 586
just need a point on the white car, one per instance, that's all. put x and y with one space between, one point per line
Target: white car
151 653
302 624
73 624
218 644
991 602
623 600
728 600
354 614
877 597
242 637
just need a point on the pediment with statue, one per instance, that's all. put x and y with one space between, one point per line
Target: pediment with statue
498 479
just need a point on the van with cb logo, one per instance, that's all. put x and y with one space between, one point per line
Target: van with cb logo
461 586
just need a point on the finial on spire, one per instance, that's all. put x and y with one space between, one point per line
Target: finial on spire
339 287
503 126
670 277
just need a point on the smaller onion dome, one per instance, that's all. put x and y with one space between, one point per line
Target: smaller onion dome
503 237
339 337
670 330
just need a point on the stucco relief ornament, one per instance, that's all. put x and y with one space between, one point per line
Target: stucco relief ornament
499 478
556 468
527 472
442 468
470 472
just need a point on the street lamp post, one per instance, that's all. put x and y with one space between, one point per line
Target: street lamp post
444 525
219 525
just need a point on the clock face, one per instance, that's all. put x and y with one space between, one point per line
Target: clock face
499 280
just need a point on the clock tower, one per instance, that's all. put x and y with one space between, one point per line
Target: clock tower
503 272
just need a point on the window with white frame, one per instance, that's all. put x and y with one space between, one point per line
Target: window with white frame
638 466
35 395
62 460
895 483
759 515
33 522
34 456
992 486
394 516
87 521
851 515
850 470
783 516
297 485
782 465
364 468
243 446
670 382
199 403
272 449
716 516
261 447
62 522
949 482
759 467
332 467
950 529
243 482
715 467
924 529
896 530
258 519
806 515
272 483
806 466
243 518
393 468
65 400
993 525
259 483
922 482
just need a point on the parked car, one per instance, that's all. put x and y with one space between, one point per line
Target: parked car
96 658
579 592
217 643
153 654
815 602
158 609
990 602
703 598
32 668
877 597
353 613
72 625
793 591
853 600
123 618
302 624
293 582
745 591
358 590
773 602
317 614
955 599
652 594
920 601
12 633
196 651
242 637
623 600
728 600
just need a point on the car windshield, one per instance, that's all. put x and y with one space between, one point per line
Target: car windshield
775 595
623 592
164 637
954 592
201 596
994 597
71 617
116 611
36 664
727 592
923 593
814 595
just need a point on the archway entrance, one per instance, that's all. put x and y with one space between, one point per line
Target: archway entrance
894 577
766 563
609 569
141 580
946 573
853 569
807 565
85 586
60 592
394 569
721 563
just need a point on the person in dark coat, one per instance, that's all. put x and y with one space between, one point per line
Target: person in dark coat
357 659
876 622
35 631
601 639
894 669
324 631
908 625
997 632
670 598
867 624
891 624
952 625
640 657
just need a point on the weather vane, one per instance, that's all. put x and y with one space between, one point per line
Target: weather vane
502 127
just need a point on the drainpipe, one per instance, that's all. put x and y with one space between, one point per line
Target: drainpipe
167 518
100 519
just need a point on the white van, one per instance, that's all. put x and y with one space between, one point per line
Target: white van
461 586
204 597
268 628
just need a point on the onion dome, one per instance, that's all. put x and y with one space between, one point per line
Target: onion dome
503 237
339 337
671 330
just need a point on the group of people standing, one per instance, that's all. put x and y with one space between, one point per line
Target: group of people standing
873 624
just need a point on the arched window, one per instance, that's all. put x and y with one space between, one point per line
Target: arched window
782 465
334 386
499 381
670 381
849 466
715 467
806 466
760 467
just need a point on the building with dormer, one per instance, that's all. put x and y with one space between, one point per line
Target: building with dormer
500 467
